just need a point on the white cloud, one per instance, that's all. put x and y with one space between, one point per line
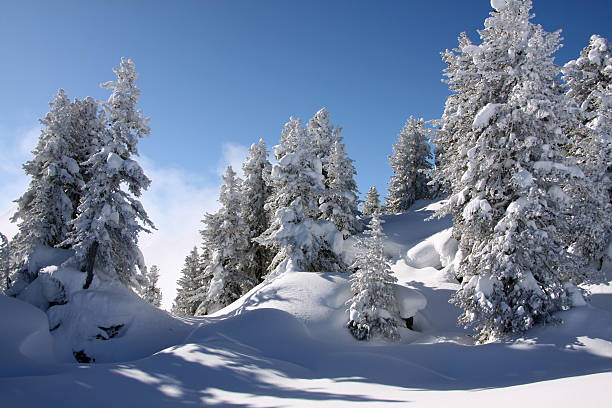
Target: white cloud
233 155
176 203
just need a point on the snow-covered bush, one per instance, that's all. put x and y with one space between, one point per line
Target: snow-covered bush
373 309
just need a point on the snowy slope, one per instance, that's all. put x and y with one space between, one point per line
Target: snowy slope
284 344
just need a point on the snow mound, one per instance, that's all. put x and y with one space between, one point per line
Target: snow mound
26 343
498 5
437 251
410 301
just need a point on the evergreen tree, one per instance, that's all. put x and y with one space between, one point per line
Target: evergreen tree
298 183
189 284
225 235
255 192
411 162
501 134
339 203
589 85
372 203
47 207
149 290
373 309
106 230
5 261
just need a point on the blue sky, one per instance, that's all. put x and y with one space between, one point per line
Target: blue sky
218 75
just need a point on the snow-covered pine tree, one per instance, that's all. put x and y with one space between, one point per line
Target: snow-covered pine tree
189 284
589 86
225 235
339 203
47 207
106 230
373 309
5 262
149 290
411 163
255 193
297 183
371 204
501 134
321 135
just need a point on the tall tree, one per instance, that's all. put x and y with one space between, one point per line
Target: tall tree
225 235
410 162
5 262
298 183
501 134
149 290
371 205
189 285
255 192
47 207
106 230
589 86
373 309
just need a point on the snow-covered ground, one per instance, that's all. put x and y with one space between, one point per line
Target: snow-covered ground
284 344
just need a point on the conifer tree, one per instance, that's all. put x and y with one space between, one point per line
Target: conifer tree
225 235
189 284
105 234
373 309
371 204
411 162
255 193
47 207
5 262
589 86
501 134
294 234
149 290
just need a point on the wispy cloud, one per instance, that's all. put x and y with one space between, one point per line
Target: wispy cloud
233 155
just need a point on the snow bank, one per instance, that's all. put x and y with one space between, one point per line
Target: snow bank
437 251
26 344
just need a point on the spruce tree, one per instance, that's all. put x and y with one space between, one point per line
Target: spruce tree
225 235
149 290
500 135
294 234
410 162
373 309
106 230
255 192
589 85
189 284
371 205
5 262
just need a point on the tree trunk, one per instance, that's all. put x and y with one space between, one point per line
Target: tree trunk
91 260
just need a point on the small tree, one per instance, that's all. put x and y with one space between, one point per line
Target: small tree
373 309
371 204
149 290
106 230
189 284
411 162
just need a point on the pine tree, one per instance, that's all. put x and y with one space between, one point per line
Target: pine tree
255 192
373 309
106 229
298 183
189 284
5 261
411 162
589 86
372 203
501 134
46 209
225 236
339 203
149 290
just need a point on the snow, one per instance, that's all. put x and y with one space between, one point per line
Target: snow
476 205
285 344
484 116
498 5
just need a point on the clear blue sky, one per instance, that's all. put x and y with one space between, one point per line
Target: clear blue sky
219 72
